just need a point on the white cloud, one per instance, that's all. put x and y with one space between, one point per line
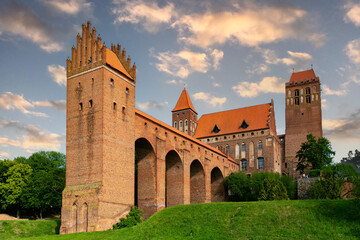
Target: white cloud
146 13
271 57
6 141
329 124
215 84
257 69
176 82
71 7
353 13
58 73
251 25
267 85
324 103
4 155
208 98
152 104
9 101
19 20
328 91
217 56
352 50
347 128
57 105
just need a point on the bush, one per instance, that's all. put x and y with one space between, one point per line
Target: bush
314 173
133 218
329 188
240 187
273 189
290 185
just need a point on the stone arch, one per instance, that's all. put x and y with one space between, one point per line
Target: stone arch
145 177
197 182
174 179
83 218
218 193
74 216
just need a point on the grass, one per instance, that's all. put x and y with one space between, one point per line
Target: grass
306 219
20 229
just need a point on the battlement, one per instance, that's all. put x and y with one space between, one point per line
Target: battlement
90 53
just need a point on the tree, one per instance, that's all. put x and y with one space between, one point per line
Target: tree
353 159
17 178
314 154
240 187
133 218
273 189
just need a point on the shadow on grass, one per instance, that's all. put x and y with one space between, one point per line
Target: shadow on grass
57 228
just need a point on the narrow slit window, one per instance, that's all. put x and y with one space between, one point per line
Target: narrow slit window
114 105
111 82
123 110
127 90
80 106
91 103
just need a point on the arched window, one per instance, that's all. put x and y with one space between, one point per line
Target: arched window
186 126
308 97
289 93
243 150
260 163
175 124
180 125
227 150
237 151
260 145
296 97
244 165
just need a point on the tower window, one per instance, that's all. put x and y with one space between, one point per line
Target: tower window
123 110
180 125
127 90
80 106
297 102
260 145
308 97
260 163
307 90
114 105
111 82
90 103
243 147
92 81
227 150
175 124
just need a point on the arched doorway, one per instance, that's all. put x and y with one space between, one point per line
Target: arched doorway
145 177
218 193
83 218
174 180
197 182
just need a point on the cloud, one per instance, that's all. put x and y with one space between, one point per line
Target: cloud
71 7
4 155
324 103
19 20
267 85
328 91
257 69
346 128
146 13
217 56
251 25
208 98
152 104
34 138
176 82
352 50
58 73
215 84
6 141
353 13
57 105
271 57
9 101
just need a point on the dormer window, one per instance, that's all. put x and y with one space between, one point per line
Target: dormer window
216 129
244 125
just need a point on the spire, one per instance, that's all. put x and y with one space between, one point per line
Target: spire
184 102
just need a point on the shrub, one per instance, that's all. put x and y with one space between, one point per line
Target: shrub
240 187
273 189
290 185
133 218
329 188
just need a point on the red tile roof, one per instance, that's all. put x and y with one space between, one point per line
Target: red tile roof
114 62
184 135
303 75
184 102
229 122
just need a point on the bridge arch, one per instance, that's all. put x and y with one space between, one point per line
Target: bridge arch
174 179
197 182
145 177
218 193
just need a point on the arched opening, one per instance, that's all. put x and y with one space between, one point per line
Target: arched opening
218 193
145 177
174 180
74 213
197 182
83 218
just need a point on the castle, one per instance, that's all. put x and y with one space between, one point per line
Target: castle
175 165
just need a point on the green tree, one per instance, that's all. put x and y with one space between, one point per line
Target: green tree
17 177
133 218
353 159
273 189
240 187
314 154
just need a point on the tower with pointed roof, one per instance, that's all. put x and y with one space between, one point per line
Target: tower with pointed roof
184 116
302 115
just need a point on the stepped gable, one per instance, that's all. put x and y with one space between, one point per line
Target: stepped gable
184 102
231 121
91 53
303 75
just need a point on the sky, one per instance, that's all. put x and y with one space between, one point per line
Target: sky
228 54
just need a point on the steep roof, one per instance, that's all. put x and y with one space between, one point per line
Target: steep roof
184 102
231 121
303 75
114 62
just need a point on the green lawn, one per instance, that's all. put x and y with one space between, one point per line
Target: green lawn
306 219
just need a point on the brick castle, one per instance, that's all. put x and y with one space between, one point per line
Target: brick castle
118 156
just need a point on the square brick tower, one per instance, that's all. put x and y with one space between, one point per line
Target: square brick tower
302 115
100 118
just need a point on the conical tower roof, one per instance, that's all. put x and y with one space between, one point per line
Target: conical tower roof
184 102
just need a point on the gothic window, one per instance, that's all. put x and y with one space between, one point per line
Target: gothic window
307 90
216 129
244 165
260 163
296 92
186 126
227 150
243 147
237 151
308 97
296 97
175 124
180 125
260 145
244 125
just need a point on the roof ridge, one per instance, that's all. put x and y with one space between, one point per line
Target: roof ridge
237 109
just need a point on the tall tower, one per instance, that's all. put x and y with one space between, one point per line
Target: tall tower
302 115
100 117
184 116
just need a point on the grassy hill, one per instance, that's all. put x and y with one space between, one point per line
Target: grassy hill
311 219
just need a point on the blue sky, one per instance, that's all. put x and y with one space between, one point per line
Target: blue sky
228 54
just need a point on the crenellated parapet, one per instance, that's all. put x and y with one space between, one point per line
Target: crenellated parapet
90 53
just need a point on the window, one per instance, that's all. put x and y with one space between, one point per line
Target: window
297 97
244 125
127 90
237 151
227 150
111 82
186 126
307 90
175 124
180 125
308 97
216 129
285 165
243 165
123 110
243 147
289 93
260 163
114 105
260 145
224 137
90 103
81 106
